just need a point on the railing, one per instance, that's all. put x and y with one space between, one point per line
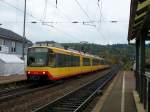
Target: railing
143 89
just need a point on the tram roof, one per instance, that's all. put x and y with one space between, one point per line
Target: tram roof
139 19
71 51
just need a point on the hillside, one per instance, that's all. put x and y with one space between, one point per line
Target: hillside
112 53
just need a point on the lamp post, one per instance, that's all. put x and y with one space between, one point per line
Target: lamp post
24 25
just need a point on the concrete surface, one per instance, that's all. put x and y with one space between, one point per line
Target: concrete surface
119 95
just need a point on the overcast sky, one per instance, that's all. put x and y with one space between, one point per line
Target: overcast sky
101 30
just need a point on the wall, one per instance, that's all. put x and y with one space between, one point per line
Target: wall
19 50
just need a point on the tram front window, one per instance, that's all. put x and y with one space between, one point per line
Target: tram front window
37 57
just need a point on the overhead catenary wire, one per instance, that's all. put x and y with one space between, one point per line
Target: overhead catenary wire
100 10
69 35
83 10
43 23
100 18
60 11
82 22
44 11
20 10
61 22
56 3
56 22
51 23
92 21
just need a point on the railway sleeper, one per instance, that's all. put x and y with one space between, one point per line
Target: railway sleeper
60 109
77 103
69 105
75 99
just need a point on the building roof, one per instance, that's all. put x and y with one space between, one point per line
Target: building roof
8 34
139 19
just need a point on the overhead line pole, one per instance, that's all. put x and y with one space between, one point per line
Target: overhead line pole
24 30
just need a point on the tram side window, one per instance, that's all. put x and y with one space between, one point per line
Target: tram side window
86 62
52 60
102 62
75 61
60 60
96 62
78 61
67 60
63 60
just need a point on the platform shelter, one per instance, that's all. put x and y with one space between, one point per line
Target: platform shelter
139 30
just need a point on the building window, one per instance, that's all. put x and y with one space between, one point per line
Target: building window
13 46
2 42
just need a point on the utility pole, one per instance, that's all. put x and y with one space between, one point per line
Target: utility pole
24 26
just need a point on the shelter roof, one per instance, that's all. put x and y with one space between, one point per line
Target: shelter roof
139 19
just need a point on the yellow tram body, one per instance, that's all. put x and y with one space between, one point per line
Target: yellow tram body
73 63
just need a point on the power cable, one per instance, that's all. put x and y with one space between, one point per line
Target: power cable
17 8
100 11
83 10
44 11
43 23
46 23
56 3
100 5
67 17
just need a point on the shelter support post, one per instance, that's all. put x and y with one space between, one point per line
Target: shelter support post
137 75
142 67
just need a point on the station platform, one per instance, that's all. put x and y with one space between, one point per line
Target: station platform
118 97
11 78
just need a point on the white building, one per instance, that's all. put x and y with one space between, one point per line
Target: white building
11 48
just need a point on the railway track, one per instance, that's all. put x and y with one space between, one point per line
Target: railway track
78 99
24 88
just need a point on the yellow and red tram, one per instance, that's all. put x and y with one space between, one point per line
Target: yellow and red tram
45 62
